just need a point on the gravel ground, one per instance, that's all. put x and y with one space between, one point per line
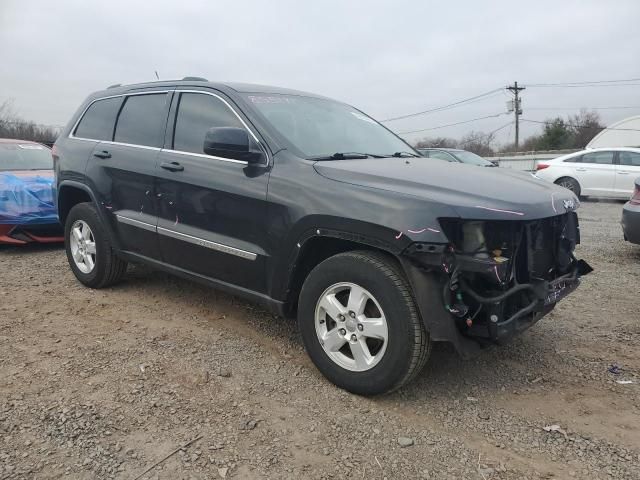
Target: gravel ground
104 384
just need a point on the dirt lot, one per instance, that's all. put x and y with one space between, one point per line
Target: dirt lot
103 384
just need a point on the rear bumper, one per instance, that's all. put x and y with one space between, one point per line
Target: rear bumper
23 234
631 223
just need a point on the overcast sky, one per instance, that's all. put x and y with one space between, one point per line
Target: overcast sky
388 58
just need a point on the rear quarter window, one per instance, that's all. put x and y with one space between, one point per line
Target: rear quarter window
98 121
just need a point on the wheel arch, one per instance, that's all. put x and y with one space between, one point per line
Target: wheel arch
569 177
71 193
316 247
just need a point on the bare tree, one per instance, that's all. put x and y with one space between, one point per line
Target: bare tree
12 126
584 126
441 142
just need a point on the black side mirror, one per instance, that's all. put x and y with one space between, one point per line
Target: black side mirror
233 143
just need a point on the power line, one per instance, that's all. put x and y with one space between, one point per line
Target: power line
444 107
592 82
486 135
550 122
586 108
589 85
452 124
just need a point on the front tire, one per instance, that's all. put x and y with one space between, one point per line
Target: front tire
89 252
570 184
360 324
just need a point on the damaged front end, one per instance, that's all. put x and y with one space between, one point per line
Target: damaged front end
499 277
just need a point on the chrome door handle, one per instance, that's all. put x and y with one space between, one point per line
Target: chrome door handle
581 169
623 173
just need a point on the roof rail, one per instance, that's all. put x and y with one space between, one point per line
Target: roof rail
115 85
196 79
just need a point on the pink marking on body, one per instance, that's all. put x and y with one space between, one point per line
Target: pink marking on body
422 230
398 236
499 210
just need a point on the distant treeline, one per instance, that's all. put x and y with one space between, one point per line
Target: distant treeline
12 126
574 132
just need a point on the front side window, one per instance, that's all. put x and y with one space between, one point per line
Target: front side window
473 159
319 127
197 113
99 119
142 120
601 158
630 159
29 156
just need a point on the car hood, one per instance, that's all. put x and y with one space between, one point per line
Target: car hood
27 197
473 192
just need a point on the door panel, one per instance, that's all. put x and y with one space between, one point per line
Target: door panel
628 169
124 183
212 211
596 173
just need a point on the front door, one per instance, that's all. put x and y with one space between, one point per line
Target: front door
628 169
212 210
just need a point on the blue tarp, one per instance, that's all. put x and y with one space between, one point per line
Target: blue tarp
27 198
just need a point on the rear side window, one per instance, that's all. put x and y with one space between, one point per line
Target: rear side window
602 158
577 159
197 113
142 120
99 119
630 158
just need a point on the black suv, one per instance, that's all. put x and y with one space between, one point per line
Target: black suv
312 208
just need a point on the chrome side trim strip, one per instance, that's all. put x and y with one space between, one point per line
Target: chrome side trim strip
135 223
207 244
204 155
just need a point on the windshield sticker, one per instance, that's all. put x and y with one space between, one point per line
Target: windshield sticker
31 147
267 99
363 117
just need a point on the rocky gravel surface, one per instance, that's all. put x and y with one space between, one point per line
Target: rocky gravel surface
164 374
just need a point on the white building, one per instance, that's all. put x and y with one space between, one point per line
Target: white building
625 133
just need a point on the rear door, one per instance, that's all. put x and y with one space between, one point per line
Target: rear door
596 173
123 170
212 210
627 170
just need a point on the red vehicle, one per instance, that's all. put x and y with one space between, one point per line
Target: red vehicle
27 209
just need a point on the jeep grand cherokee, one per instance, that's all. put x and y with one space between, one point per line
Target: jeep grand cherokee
312 208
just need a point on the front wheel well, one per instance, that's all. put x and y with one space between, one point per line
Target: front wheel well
574 184
68 197
313 252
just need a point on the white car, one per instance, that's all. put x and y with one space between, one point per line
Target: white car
598 172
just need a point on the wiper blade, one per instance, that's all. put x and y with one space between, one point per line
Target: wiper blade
404 154
348 156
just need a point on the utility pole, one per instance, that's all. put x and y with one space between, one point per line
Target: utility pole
517 108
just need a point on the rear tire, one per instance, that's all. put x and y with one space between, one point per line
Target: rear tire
89 252
570 184
376 349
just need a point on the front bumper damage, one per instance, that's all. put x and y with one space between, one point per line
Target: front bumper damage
495 278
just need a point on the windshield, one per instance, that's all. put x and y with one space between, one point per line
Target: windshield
27 156
472 158
320 128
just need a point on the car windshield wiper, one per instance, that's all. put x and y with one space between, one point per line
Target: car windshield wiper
348 156
404 154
